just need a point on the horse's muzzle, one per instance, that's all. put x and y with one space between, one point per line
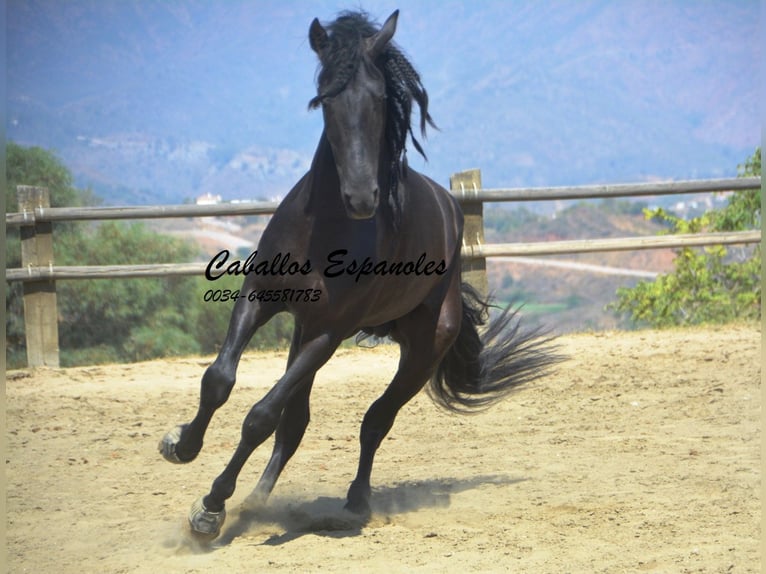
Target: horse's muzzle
361 206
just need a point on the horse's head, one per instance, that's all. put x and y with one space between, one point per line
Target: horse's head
352 93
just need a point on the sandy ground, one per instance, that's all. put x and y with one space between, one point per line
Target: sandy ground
641 454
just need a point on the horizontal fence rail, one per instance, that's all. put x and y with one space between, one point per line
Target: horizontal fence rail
612 244
608 190
54 214
468 252
39 273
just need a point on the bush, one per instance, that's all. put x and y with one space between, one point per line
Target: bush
710 285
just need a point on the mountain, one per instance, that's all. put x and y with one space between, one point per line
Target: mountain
570 293
157 102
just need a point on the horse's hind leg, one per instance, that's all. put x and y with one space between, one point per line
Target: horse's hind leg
183 443
424 339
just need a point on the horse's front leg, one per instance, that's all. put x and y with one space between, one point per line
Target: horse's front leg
184 442
208 513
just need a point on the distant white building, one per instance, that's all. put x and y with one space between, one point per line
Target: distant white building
209 199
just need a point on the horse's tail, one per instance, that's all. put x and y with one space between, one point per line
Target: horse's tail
479 370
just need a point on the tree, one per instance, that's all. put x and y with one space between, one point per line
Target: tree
711 285
36 166
125 319
99 320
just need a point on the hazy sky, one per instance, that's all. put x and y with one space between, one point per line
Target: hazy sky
534 93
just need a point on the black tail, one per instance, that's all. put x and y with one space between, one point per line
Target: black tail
479 370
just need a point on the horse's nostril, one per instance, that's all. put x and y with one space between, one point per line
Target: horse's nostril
362 205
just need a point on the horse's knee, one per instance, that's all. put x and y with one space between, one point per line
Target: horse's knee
216 387
259 424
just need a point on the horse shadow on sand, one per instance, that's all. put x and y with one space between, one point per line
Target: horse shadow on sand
325 516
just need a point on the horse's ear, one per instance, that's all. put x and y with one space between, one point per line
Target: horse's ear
376 43
318 37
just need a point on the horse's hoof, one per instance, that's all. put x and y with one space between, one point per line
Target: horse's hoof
167 446
205 523
358 500
359 506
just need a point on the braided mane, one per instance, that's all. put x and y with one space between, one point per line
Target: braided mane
341 59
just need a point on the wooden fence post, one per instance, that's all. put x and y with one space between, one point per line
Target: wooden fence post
464 185
40 309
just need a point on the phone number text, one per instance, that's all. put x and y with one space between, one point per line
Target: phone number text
264 295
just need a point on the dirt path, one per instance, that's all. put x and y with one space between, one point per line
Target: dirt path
640 455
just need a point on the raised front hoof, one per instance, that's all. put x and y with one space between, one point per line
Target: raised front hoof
168 446
204 524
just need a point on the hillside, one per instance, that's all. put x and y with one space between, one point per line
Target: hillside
568 293
161 102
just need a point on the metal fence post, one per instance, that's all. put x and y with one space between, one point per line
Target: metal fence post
465 185
40 309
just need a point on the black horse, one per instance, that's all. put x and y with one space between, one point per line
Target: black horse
361 245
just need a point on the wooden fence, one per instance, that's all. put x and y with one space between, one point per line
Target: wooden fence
39 274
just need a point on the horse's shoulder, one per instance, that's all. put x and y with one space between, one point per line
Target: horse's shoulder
419 184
